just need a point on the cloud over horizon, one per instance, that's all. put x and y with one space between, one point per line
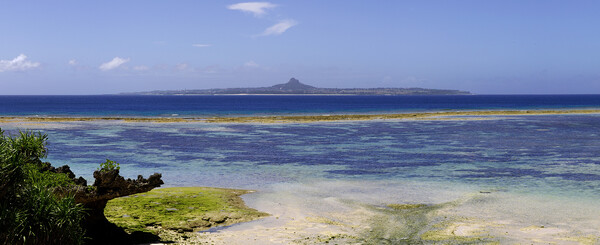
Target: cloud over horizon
141 68
201 45
279 28
114 63
251 64
20 63
256 8
182 66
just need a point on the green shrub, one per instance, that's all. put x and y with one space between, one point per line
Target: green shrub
29 145
30 212
109 166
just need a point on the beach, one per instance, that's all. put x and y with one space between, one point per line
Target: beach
481 177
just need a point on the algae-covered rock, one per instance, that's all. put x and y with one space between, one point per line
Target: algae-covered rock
180 209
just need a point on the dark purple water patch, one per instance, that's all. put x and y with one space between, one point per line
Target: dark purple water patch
403 164
144 164
576 176
356 172
500 172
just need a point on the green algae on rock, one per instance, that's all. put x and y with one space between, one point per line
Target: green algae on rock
180 209
406 206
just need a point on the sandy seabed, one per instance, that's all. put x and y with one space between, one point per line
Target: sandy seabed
357 212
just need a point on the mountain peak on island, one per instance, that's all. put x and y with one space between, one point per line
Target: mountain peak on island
292 84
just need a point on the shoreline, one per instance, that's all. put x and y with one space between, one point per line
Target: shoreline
302 118
345 213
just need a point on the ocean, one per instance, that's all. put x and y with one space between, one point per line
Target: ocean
182 106
499 174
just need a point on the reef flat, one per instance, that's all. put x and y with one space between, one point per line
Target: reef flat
517 177
448 115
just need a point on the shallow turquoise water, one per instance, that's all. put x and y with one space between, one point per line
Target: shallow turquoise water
551 155
514 180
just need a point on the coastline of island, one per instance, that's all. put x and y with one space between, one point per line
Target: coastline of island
295 87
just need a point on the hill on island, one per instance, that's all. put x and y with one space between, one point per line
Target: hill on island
294 86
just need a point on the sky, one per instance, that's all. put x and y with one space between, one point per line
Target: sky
487 47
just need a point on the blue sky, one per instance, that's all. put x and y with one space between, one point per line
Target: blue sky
486 47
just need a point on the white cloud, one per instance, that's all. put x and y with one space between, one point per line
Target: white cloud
209 69
73 62
251 64
279 28
141 68
114 63
256 8
17 64
200 45
181 67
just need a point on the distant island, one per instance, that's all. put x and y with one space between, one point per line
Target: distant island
295 87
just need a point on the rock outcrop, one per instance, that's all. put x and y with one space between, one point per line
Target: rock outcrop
108 185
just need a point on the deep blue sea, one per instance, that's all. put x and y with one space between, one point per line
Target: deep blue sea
122 105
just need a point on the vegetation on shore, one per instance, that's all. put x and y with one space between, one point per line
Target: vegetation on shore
41 204
31 210
306 118
175 213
